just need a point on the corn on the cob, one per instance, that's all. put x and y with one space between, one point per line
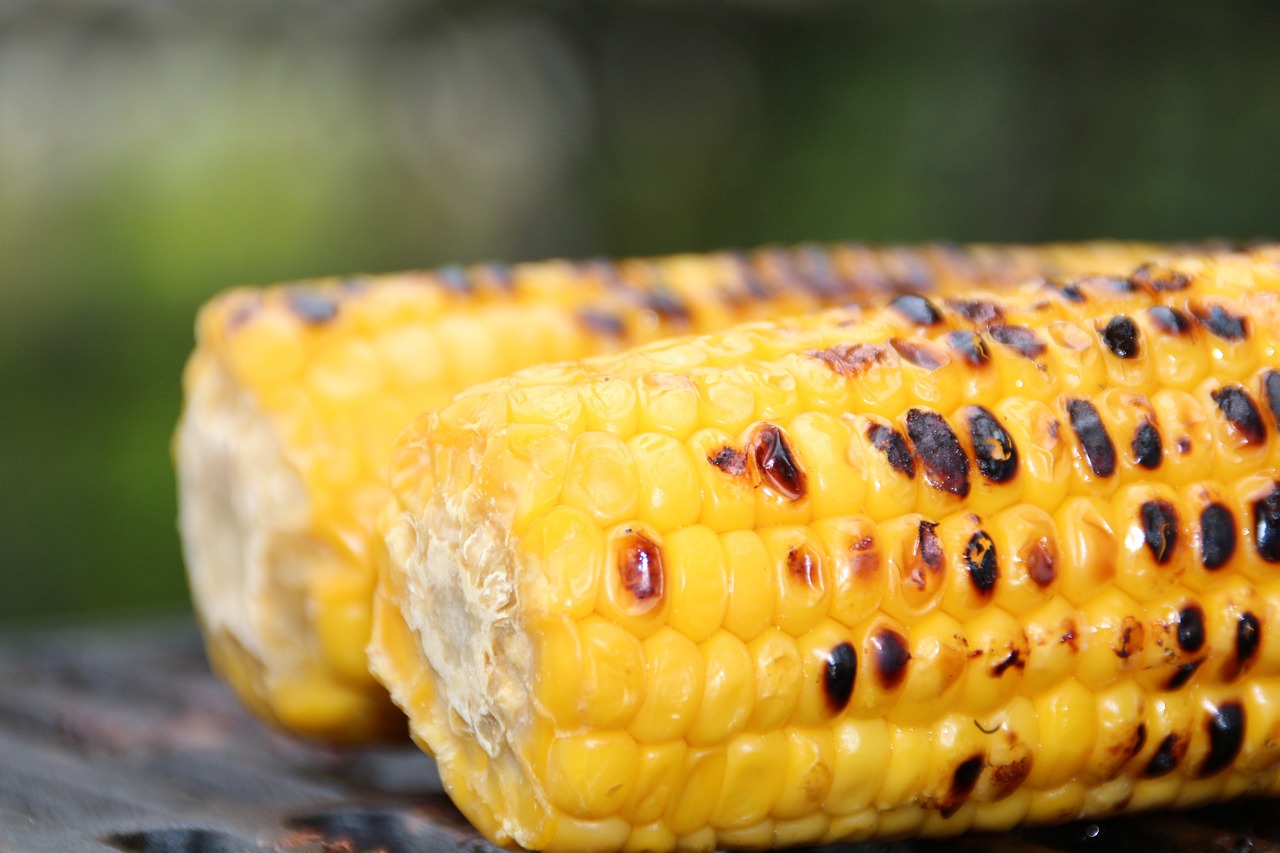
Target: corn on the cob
882 571
294 396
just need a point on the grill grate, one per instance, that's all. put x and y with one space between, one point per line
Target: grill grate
121 740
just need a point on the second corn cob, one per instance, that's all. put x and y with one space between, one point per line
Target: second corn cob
295 394
880 572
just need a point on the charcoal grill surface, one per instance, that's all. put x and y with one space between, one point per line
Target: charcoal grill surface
120 739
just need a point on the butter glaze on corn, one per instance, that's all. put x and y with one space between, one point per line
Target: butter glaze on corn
295 394
796 587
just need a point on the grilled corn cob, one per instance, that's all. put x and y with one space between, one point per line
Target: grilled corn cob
295 394
878 572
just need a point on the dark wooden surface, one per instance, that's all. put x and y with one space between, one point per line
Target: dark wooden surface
120 739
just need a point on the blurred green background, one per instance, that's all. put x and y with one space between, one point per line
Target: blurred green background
152 153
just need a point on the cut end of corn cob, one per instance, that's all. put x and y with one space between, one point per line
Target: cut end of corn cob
914 569
295 395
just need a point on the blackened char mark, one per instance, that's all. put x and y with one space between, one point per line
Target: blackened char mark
922 355
1226 735
1160 529
970 347
893 445
730 460
946 467
1157 279
1217 536
602 322
849 359
312 307
1241 412
993 447
978 311
980 560
1171 321
890 656
1271 387
1221 322
776 463
838 677
917 309
1248 637
1147 447
1166 757
1121 337
1191 628
1099 452
1020 339
1266 526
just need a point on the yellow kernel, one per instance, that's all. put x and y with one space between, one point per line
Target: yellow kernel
752 782
973 568
610 404
801 577
879 449
591 776
345 369
525 465
648 837
674 678
657 781
791 833
699 791
1067 715
588 836
1187 435
1112 638
1044 450
1087 543
859 764
668 404
694 564
564 547
999 653
558 686
729 692
810 760
779 679
1121 732
670 494
726 399
613 673
836 485
1053 636
915 565
935 676
751 584
268 350
1026 540
908 768
601 478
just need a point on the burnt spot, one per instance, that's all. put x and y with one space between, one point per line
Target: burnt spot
1040 562
917 309
838 676
730 460
921 355
926 555
803 565
849 359
312 307
1160 529
889 655
1182 675
640 569
1271 388
776 463
1069 291
1013 660
946 467
1147 447
970 347
1166 757
978 311
1184 444
1099 452
455 279
1121 337
963 780
1020 339
980 560
993 447
1131 636
1217 536
893 445
602 322
666 305
1248 637
1266 526
1221 322
863 559
1241 412
1171 321
1139 739
1191 628
1156 278
1226 735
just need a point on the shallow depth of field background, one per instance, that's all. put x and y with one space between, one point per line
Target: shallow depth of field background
152 153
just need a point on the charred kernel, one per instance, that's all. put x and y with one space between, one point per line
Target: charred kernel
1156 278
917 309
890 655
1271 386
1226 735
640 567
993 447
1191 628
1139 739
1266 526
776 463
667 305
602 322
838 677
849 359
893 445
1020 339
1013 660
1130 638
921 355
1184 444
980 560
312 307
1221 322
1182 675
1160 529
946 467
1217 536
1171 321
1147 447
802 564
926 558
1121 337
1166 757
1069 291
1248 636
970 346
455 278
1098 449
1239 410
977 311
730 460
1040 563
966 776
